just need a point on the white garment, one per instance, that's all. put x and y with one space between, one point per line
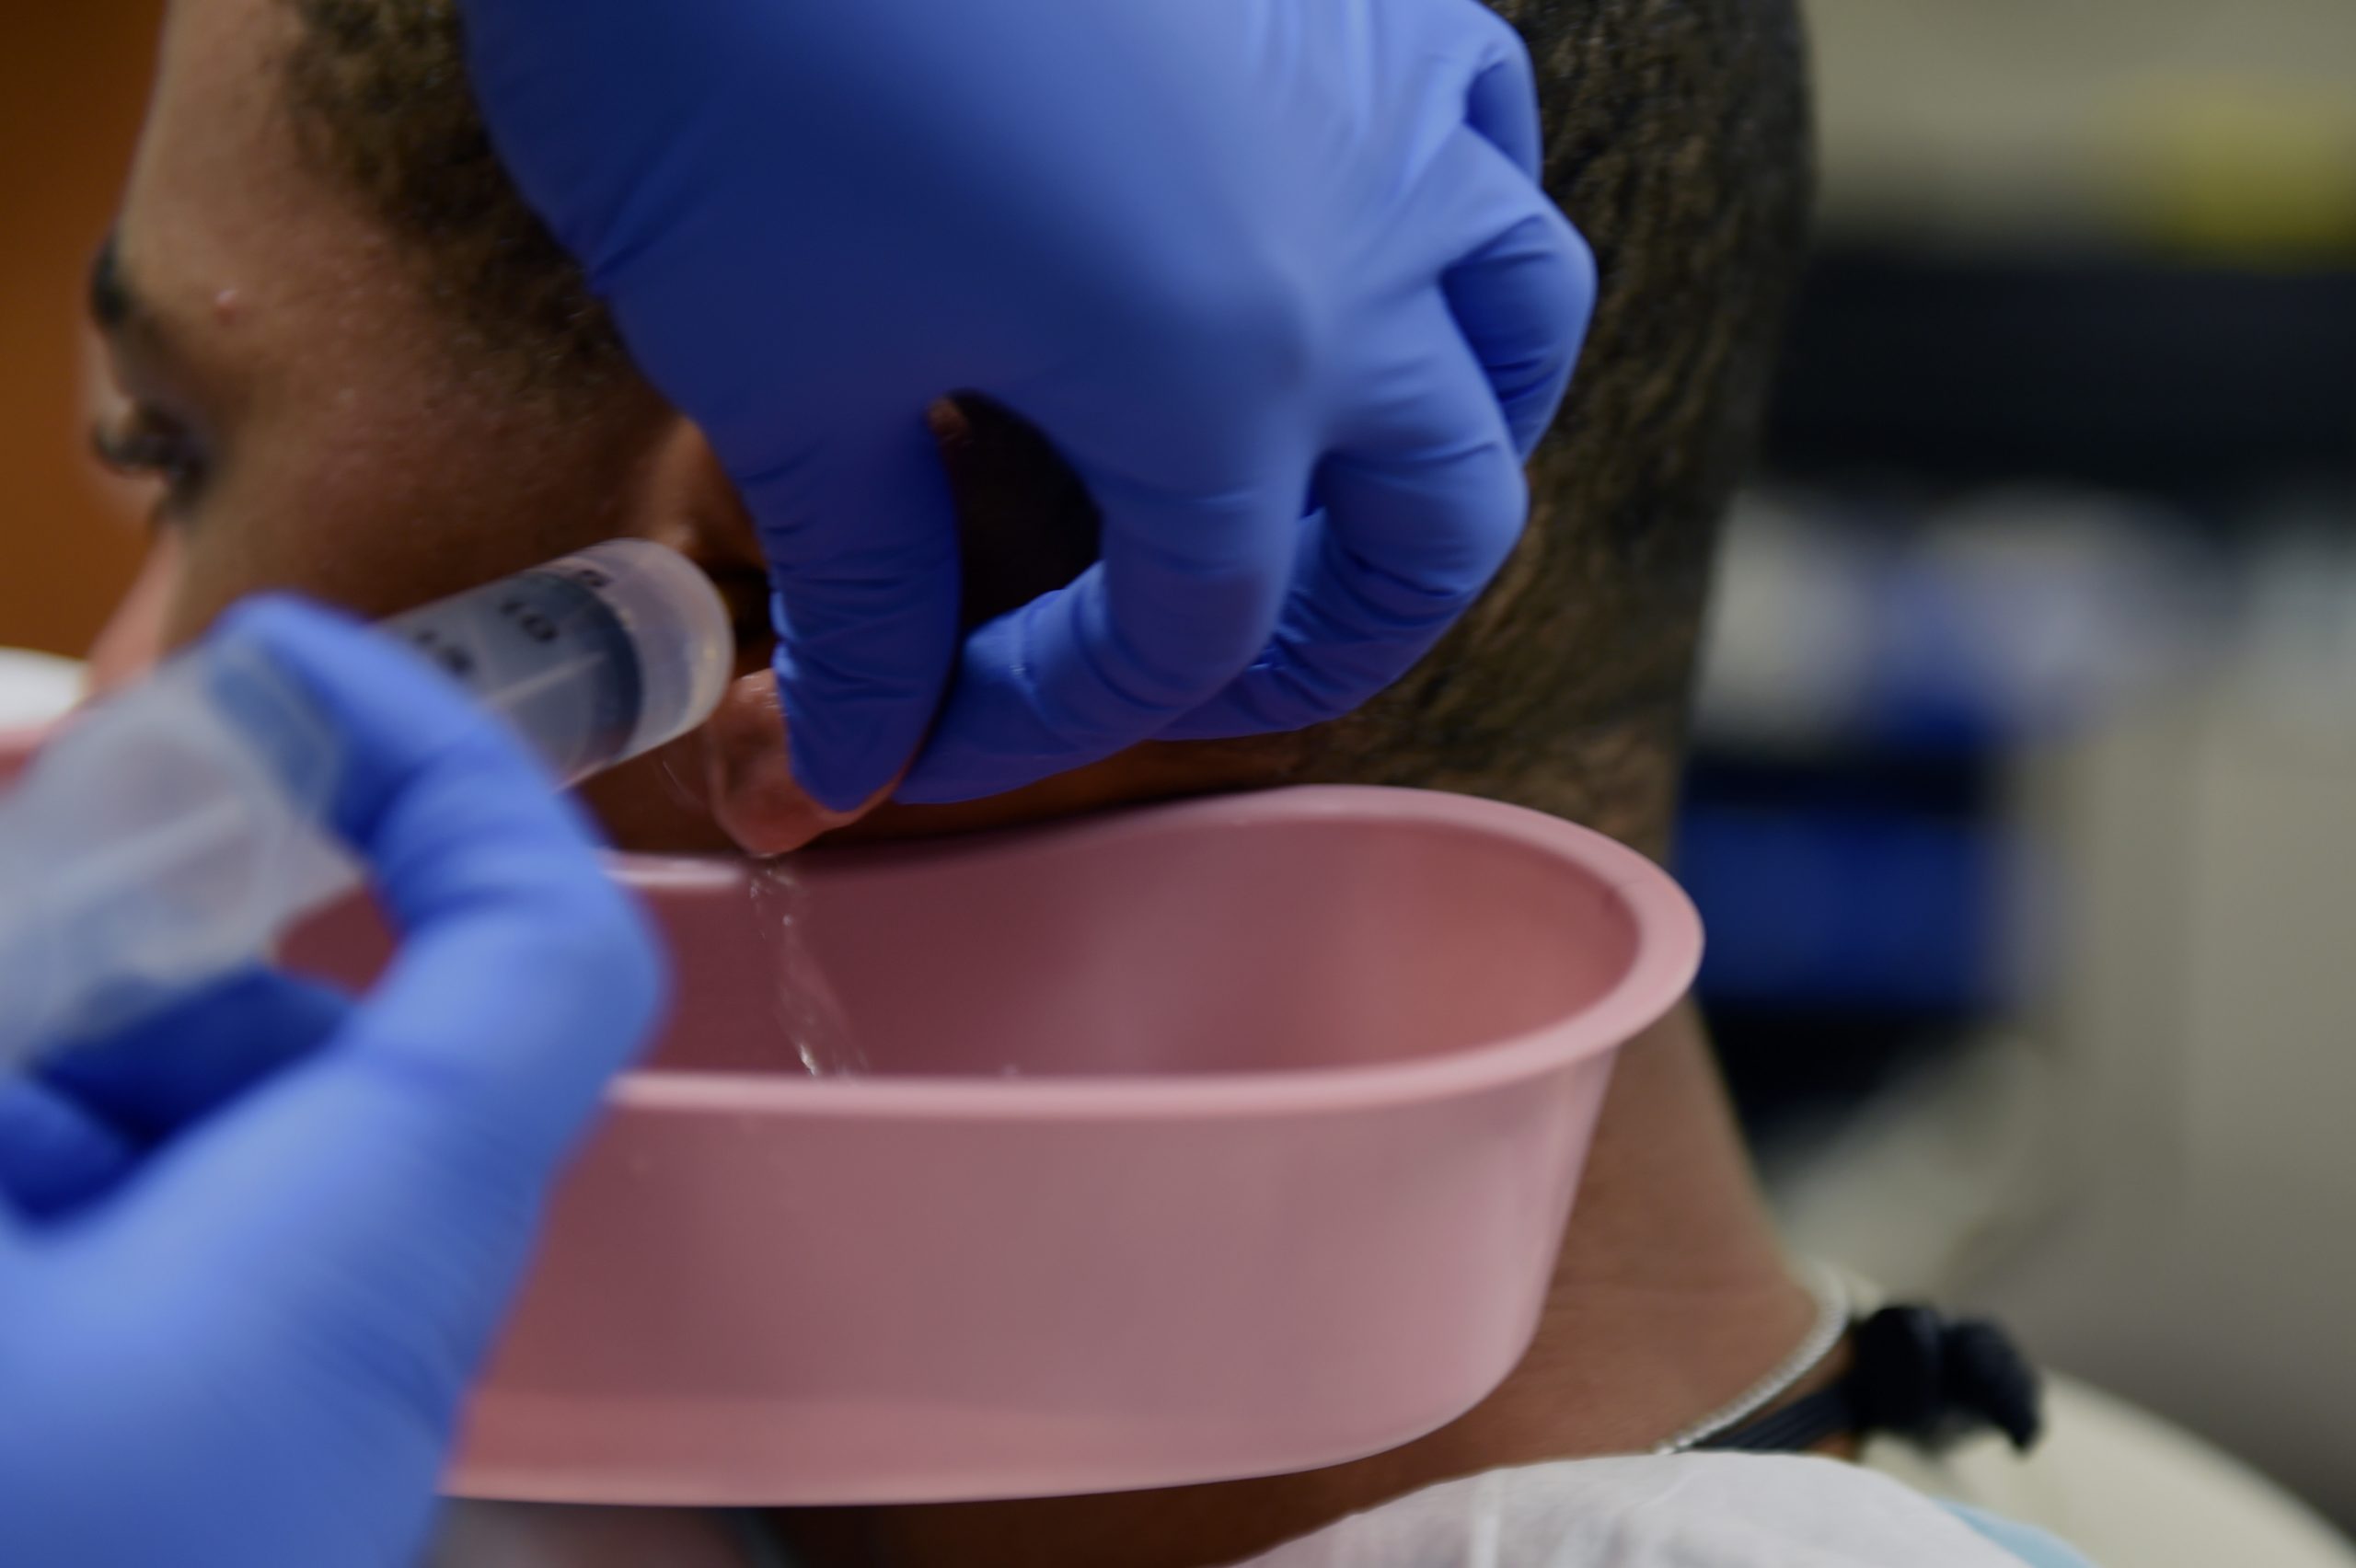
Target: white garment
1690 1511
2126 1488
1686 1511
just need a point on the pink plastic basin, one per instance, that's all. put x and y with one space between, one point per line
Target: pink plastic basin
1209 1140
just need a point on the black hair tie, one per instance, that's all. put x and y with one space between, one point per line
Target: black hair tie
1915 1376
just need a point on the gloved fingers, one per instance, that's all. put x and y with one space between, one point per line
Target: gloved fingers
362 1216
536 66
1186 594
191 1059
1501 101
1419 513
1523 297
525 978
861 532
55 1152
88 1116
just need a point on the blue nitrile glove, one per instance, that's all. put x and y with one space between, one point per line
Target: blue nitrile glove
1235 257
251 1254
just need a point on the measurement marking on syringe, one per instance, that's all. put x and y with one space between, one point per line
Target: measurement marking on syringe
556 674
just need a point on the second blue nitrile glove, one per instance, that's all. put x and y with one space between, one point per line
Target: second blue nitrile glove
1276 276
253 1252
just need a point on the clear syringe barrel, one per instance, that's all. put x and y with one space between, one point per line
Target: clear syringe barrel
594 658
170 836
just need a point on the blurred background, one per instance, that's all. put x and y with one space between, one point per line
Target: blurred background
2024 820
72 81
2024 812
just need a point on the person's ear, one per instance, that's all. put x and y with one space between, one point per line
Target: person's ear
1025 526
737 765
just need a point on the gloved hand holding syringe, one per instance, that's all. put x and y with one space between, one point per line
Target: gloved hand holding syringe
255 1236
168 837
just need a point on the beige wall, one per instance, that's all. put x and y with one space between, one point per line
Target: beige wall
2198 1261
2203 125
73 73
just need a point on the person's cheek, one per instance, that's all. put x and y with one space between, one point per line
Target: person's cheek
134 635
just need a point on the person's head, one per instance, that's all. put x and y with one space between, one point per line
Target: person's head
366 372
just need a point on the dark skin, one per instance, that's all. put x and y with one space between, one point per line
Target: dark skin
312 421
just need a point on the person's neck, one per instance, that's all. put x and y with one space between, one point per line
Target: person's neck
1670 1297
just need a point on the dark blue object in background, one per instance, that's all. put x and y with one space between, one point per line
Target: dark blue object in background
1877 910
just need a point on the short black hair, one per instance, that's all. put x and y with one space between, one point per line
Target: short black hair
381 100
1677 140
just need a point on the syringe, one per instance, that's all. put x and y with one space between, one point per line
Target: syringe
170 836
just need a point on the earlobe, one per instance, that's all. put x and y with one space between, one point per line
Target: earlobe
736 766
1026 527
743 760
